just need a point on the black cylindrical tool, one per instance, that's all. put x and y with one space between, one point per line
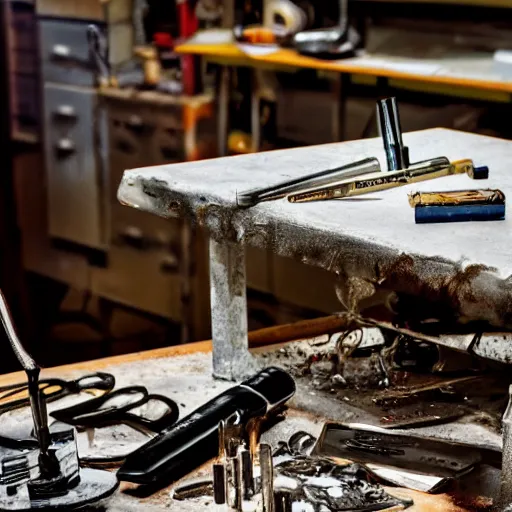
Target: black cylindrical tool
391 132
194 440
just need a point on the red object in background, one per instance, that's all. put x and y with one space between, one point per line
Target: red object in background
163 40
188 26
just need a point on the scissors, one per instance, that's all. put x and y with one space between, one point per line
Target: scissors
133 406
15 396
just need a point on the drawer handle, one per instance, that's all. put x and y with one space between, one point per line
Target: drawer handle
170 264
61 51
65 147
137 125
66 111
123 146
134 237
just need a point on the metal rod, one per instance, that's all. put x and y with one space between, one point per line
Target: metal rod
219 484
282 189
267 477
391 132
505 498
237 484
247 474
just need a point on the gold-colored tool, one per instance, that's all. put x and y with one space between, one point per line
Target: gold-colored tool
457 198
375 182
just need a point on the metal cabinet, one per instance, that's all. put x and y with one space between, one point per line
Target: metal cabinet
65 54
145 253
75 186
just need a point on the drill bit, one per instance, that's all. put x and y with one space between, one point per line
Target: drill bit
219 483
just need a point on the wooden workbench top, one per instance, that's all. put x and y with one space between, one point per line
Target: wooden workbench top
457 67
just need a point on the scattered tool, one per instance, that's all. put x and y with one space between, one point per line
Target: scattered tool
16 396
117 407
338 42
390 129
365 176
194 439
458 206
421 171
368 444
47 475
322 178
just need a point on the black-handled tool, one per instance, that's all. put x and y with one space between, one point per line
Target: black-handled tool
194 439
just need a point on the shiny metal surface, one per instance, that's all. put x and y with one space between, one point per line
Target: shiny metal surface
255 196
391 132
74 183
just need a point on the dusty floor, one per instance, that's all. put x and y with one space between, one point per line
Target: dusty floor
187 379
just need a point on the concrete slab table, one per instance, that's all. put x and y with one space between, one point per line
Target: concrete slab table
371 241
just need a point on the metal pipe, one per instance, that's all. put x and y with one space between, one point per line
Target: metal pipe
388 117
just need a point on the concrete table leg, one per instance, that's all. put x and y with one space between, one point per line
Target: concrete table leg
231 357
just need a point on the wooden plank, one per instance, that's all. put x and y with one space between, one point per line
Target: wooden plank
257 339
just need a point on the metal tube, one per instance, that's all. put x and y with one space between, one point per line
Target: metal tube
506 469
318 179
247 475
267 477
388 117
219 484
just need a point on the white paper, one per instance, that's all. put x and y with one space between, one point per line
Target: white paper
258 50
418 68
211 37
504 56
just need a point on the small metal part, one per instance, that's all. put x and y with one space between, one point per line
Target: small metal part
194 488
236 475
318 179
222 440
253 430
247 473
301 443
267 477
457 197
505 498
219 484
282 501
397 154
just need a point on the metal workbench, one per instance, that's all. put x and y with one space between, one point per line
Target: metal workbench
370 243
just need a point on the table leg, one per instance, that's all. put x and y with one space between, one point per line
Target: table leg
341 86
231 357
223 109
255 114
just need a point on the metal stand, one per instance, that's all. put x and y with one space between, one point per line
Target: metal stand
231 357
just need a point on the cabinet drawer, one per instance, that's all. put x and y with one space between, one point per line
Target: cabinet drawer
65 52
140 279
74 183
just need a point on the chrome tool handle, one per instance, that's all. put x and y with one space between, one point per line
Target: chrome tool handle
391 132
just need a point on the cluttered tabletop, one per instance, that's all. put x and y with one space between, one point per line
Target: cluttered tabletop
182 376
